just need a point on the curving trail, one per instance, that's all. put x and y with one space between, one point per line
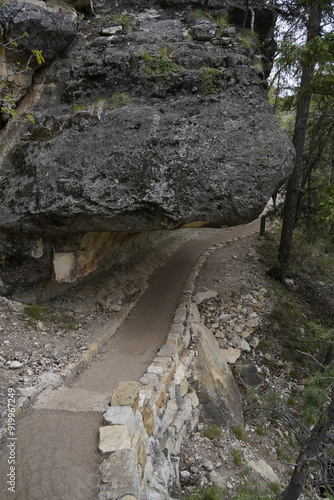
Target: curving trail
56 447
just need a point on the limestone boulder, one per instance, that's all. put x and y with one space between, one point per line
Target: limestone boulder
34 26
143 129
215 384
119 475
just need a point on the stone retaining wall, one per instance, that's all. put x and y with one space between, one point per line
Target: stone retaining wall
148 421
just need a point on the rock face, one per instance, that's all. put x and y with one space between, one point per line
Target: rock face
216 386
163 123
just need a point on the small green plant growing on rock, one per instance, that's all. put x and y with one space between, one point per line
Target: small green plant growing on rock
260 431
160 65
37 312
239 432
257 63
255 490
207 493
220 18
249 39
209 80
212 432
146 56
78 107
118 100
237 457
127 21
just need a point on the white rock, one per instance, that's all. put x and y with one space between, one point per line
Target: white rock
239 328
28 391
49 380
264 469
121 415
112 30
220 334
204 294
217 479
254 342
113 438
15 365
231 355
224 317
208 465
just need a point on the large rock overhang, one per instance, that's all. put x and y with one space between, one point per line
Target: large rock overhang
150 127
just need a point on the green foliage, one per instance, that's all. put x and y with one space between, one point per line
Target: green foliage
115 101
248 39
78 107
239 432
9 92
247 490
161 65
238 457
39 56
257 63
71 326
220 18
254 490
260 431
318 393
208 493
146 56
37 312
126 20
209 80
118 100
326 206
212 432
30 118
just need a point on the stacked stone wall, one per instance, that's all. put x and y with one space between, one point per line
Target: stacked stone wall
149 420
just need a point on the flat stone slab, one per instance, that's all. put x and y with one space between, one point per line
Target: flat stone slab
204 294
119 476
74 400
231 355
264 469
249 375
121 415
114 438
126 394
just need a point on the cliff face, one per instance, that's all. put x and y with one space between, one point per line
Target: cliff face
152 116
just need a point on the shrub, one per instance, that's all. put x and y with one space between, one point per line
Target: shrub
212 432
239 432
249 39
161 66
209 80
118 100
237 457
210 493
37 312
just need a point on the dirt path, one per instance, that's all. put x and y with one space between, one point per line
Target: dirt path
56 447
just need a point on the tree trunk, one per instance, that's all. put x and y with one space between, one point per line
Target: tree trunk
291 199
307 453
